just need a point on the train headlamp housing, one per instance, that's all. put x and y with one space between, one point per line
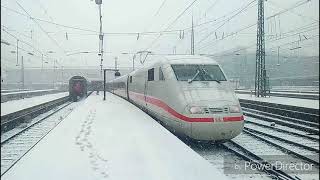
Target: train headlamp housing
195 110
234 109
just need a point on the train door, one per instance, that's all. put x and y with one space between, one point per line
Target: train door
127 86
145 93
149 80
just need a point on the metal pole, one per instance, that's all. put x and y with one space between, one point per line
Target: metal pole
192 38
22 73
260 76
100 36
133 63
17 52
115 63
54 75
278 55
42 61
104 84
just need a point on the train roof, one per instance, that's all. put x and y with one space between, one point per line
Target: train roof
189 59
172 59
77 78
178 59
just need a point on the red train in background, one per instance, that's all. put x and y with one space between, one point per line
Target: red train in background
77 88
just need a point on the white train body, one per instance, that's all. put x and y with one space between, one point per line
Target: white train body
172 90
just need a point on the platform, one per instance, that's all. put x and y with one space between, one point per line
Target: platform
27 91
307 103
26 94
17 105
111 139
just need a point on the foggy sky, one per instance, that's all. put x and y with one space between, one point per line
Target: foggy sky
129 16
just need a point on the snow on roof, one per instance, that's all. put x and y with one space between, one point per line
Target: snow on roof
190 59
111 139
175 59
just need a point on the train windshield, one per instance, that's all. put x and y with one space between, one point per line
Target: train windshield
198 72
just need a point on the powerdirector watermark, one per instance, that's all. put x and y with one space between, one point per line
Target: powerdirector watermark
284 163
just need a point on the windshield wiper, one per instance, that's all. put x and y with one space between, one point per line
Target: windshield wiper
210 75
194 77
216 81
205 72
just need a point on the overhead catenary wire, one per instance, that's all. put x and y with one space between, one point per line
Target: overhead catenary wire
141 33
20 33
267 18
270 41
226 21
171 24
40 27
298 4
22 41
292 11
94 32
252 45
158 11
223 17
210 44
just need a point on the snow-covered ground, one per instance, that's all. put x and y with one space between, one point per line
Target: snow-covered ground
111 139
308 103
296 88
289 93
13 90
16 105
24 92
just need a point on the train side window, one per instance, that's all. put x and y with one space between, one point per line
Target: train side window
151 74
161 77
130 80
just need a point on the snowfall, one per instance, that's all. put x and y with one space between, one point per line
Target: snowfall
111 139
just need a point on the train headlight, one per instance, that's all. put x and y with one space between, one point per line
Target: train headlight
195 110
234 109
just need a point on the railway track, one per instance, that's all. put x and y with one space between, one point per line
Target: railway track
292 130
261 152
9 96
300 95
293 112
296 140
10 121
259 148
272 133
302 119
285 127
18 143
223 159
281 128
308 127
15 146
241 147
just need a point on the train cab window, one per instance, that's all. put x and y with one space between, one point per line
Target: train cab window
130 80
151 74
161 77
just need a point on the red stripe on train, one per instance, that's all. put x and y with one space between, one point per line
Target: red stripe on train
164 106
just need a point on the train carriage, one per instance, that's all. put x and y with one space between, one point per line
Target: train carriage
77 88
189 94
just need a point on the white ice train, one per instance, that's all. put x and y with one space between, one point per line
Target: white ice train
189 94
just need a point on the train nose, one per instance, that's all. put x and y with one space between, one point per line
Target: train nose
216 131
227 121
206 96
